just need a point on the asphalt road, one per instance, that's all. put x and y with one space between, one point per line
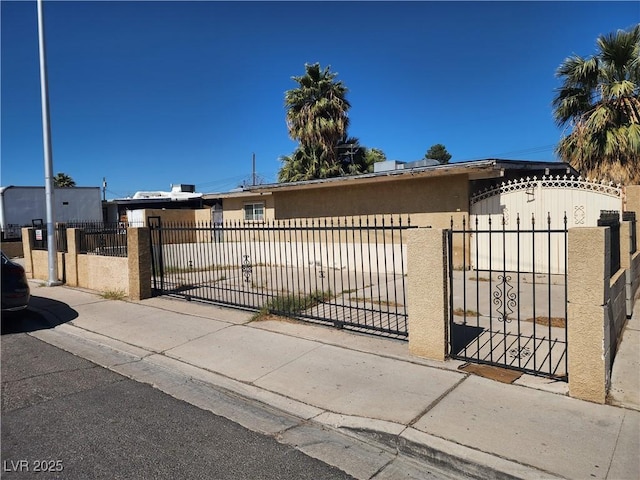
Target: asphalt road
64 417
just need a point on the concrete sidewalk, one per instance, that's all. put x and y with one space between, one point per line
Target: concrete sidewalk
367 387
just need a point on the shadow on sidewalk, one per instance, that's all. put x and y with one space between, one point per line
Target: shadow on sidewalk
42 313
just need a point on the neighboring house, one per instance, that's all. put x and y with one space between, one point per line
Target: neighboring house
20 206
178 204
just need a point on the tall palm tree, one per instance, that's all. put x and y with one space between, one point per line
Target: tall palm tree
599 100
62 180
307 163
312 162
317 112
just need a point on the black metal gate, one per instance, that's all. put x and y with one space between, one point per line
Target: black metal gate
508 315
349 273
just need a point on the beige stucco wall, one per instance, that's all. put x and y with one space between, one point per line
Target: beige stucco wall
138 263
618 308
202 215
632 199
424 202
233 207
170 215
12 249
71 259
588 294
130 275
103 273
174 218
40 265
427 306
428 201
633 277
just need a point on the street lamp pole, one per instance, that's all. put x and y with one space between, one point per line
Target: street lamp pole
48 161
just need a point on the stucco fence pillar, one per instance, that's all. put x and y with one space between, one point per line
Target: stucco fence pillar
26 249
594 311
427 304
139 262
36 262
632 199
71 259
630 261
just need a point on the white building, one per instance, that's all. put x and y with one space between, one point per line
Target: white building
19 206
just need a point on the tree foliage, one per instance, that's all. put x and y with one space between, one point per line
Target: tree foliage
62 180
438 152
599 103
317 117
373 155
311 162
317 111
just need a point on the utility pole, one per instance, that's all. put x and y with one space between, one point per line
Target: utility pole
48 160
104 189
253 170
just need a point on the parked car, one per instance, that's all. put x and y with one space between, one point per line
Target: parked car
15 288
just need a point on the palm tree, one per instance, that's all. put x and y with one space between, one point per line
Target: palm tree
599 100
307 163
317 118
62 180
312 162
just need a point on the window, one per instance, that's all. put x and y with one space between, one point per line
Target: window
254 211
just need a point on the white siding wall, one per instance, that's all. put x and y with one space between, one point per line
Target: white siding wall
541 199
21 205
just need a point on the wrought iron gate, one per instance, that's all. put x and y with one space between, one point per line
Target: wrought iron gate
348 273
506 315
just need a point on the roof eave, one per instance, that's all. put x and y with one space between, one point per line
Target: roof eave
475 170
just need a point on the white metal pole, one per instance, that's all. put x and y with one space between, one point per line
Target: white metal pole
48 160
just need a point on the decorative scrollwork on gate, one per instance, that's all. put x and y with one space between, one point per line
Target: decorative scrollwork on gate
505 216
247 268
520 352
579 215
549 181
505 298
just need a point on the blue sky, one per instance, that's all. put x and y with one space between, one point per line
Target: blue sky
149 94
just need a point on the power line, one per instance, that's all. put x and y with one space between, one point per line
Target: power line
527 151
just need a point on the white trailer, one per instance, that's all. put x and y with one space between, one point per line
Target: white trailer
19 206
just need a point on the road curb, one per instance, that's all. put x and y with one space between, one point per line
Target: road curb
465 460
432 450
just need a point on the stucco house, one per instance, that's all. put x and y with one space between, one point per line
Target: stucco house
430 194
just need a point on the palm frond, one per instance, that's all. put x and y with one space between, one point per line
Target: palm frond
599 98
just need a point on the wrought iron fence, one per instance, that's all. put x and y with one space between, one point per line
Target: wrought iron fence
631 217
39 237
346 272
96 238
513 312
104 239
12 231
611 219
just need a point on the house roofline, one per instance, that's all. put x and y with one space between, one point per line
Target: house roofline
476 170
42 187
